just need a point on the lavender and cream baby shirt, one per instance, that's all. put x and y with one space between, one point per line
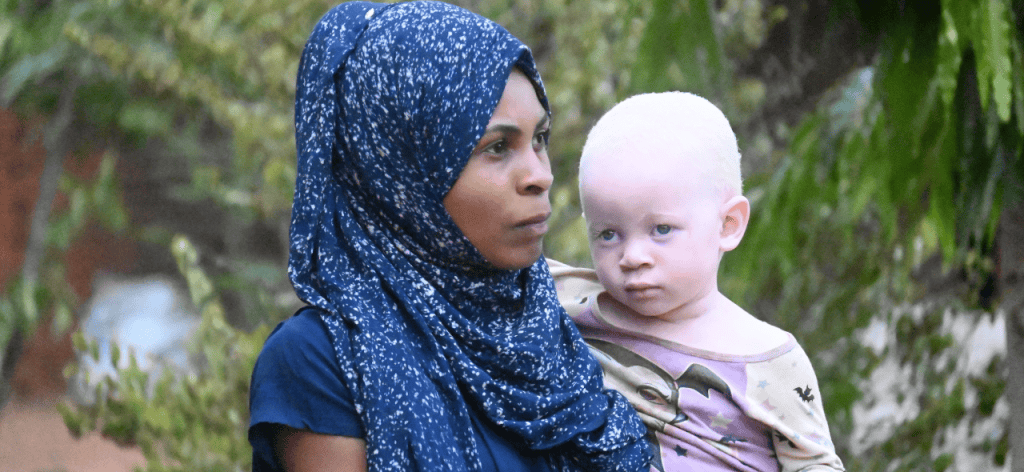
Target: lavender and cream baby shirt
707 411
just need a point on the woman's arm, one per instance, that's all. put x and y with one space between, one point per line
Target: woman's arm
301 450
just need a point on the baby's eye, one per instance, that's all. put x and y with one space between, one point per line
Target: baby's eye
663 229
606 235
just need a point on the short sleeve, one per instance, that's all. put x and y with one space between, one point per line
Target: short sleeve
297 382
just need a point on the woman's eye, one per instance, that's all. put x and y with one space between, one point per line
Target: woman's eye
540 140
498 147
663 229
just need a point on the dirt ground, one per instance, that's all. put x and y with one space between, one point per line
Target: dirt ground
33 438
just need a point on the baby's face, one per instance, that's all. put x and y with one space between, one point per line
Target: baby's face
655 235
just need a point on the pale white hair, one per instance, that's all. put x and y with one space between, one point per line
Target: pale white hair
674 120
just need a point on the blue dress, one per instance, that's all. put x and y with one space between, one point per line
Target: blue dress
297 382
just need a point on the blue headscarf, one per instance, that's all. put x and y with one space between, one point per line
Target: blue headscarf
390 102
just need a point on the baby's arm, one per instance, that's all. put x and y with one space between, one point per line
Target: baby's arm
786 397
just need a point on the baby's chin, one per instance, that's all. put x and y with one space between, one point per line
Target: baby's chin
646 311
640 309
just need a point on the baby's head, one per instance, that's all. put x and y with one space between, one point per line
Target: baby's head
661 191
663 130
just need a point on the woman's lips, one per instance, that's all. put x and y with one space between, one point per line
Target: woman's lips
535 226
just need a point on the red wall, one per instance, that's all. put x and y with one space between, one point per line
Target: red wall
39 370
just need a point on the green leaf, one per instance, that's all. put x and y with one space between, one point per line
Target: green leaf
115 354
949 58
30 69
28 296
680 50
94 351
6 29
62 319
70 370
1018 85
145 118
76 423
78 206
157 418
994 60
79 342
8 321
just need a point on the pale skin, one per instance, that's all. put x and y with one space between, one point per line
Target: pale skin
500 202
658 227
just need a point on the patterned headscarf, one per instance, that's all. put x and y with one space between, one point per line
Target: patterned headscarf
390 102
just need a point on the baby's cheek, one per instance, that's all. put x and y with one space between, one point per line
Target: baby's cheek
600 267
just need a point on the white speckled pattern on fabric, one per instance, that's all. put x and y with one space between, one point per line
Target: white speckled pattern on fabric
391 100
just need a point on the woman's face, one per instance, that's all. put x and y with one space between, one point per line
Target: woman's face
500 201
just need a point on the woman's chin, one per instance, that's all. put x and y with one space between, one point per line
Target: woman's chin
517 258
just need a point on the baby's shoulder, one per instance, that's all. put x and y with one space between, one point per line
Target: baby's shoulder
754 327
748 335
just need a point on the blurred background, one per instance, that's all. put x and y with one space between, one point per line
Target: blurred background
147 166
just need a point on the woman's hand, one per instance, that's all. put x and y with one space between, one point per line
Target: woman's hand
301 450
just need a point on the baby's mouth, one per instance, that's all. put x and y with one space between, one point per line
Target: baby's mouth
640 290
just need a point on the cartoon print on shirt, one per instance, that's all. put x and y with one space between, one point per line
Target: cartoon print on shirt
703 380
655 393
728 438
782 437
805 393
651 384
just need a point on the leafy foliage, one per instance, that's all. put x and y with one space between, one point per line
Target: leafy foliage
907 164
228 62
194 423
899 166
26 301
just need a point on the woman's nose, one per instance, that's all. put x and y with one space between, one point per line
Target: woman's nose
537 177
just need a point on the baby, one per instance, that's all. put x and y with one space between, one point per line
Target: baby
718 389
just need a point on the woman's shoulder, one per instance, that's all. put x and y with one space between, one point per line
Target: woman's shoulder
300 349
304 324
297 376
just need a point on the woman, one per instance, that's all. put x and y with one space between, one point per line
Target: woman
433 340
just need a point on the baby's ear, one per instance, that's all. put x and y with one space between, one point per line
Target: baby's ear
735 216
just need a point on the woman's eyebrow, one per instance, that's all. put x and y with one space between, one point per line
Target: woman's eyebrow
507 128
543 123
503 129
